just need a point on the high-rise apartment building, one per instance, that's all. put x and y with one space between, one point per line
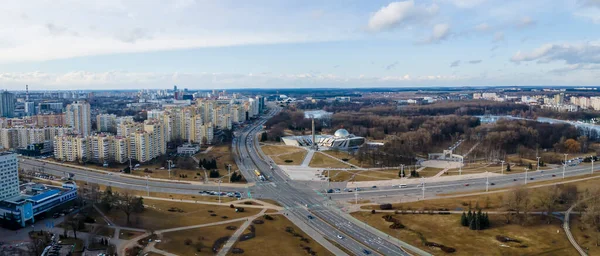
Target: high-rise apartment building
9 176
78 116
7 104
106 123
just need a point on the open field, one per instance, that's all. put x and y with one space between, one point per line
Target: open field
538 237
361 175
584 237
295 157
426 172
199 238
157 216
320 160
273 239
279 149
345 155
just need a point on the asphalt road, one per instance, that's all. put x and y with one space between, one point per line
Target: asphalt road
303 202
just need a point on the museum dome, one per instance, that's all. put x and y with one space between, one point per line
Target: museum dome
341 133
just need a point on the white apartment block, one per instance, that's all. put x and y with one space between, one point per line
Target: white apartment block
79 118
9 175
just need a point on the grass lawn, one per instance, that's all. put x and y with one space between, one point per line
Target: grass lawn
296 157
272 239
320 160
125 234
584 237
203 238
279 149
426 172
192 175
539 238
360 175
156 215
223 155
345 155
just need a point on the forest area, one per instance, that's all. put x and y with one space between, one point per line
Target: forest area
415 130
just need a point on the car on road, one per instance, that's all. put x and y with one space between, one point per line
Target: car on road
329 191
367 252
492 183
340 237
553 175
358 189
514 179
530 178
337 190
374 187
310 217
466 185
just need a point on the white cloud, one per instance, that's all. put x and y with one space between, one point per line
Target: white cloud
399 13
440 32
455 63
483 27
133 80
466 3
569 53
525 22
498 36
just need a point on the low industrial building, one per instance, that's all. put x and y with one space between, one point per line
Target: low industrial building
22 203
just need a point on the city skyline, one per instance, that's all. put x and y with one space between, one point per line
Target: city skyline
316 44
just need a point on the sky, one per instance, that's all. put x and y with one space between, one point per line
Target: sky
198 44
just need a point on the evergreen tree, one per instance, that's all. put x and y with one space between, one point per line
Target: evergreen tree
472 224
477 222
508 167
463 220
470 216
530 166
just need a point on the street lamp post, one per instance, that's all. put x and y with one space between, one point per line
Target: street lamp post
526 169
402 170
487 181
423 188
219 190
147 188
565 165
502 167
538 165
592 172
229 172
169 162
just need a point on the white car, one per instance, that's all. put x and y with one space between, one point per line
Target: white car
340 237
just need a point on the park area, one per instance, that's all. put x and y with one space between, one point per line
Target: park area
198 241
276 235
285 155
159 214
537 238
322 161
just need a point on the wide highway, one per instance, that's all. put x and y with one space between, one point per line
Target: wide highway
305 203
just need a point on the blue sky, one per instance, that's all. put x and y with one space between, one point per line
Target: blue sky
68 44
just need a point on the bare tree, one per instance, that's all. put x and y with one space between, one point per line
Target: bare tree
548 199
128 204
518 203
591 215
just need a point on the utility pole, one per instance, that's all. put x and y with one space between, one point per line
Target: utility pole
423 188
219 190
169 162
487 181
402 170
565 165
328 179
229 172
538 165
502 167
147 188
592 165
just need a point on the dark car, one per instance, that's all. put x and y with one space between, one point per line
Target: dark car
310 217
514 179
492 183
530 178
367 252
374 187
553 175
330 191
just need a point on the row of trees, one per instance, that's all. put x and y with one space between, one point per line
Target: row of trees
519 201
475 220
